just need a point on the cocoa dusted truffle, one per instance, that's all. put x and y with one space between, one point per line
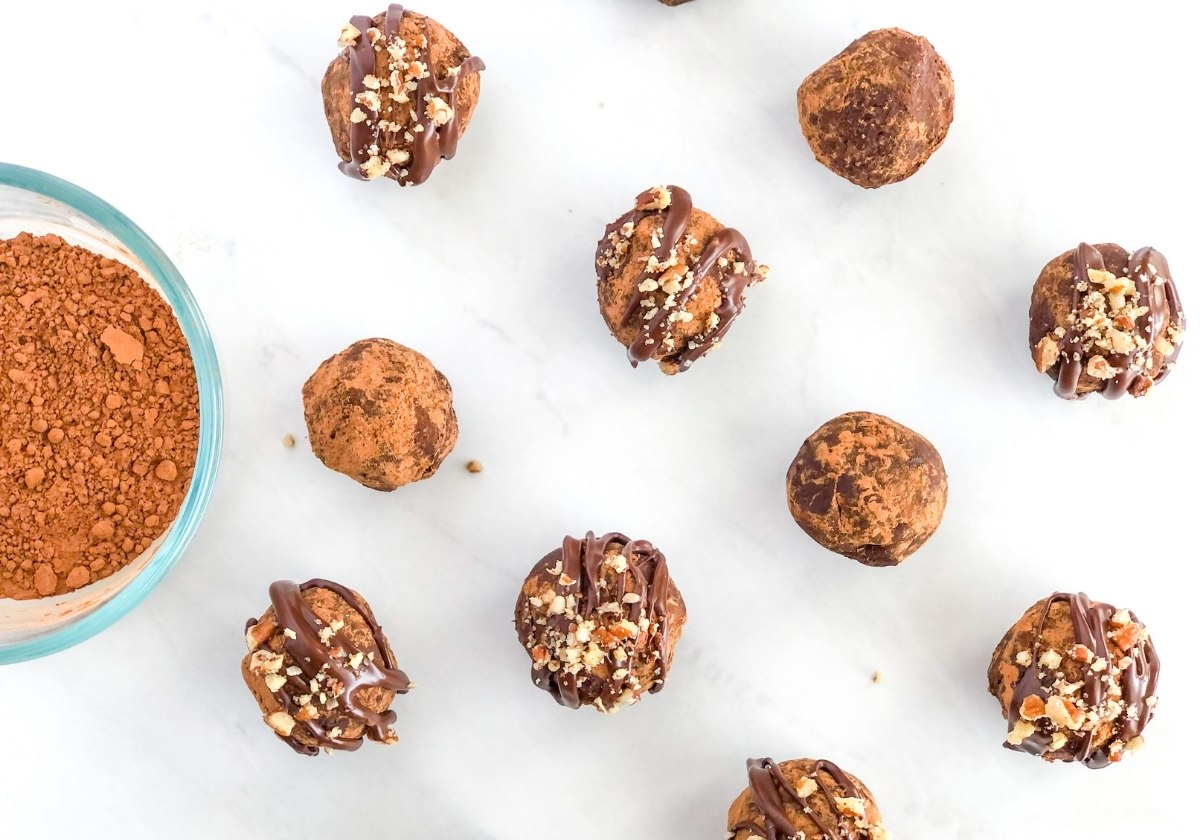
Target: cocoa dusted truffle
1105 320
1076 681
868 488
875 112
804 798
381 414
321 669
399 96
671 279
600 617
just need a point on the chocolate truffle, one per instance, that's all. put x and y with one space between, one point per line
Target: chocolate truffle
868 488
1076 681
600 617
321 669
671 279
399 95
804 798
1105 320
674 2
381 414
875 112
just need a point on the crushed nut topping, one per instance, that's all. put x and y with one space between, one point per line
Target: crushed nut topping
670 277
438 110
1122 330
1065 696
348 35
600 639
384 106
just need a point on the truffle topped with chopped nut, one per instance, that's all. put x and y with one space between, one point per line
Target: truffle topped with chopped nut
672 279
600 617
1076 680
321 669
878 110
1103 319
868 488
804 798
399 96
380 413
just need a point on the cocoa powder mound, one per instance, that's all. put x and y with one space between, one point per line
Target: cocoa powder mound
99 416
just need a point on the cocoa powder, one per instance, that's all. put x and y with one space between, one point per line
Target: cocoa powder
99 416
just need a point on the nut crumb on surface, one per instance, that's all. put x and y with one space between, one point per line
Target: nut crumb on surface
474 466
289 440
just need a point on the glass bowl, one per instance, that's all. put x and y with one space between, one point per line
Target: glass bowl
39 203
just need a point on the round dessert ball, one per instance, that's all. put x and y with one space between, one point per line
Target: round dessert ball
1103 319
868 488
381 414
1076 681
671 279
674 2
398 96
600 618
321 669
804 798
875 112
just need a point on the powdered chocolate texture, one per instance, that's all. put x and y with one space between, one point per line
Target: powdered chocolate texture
878 110
868 488
99 417
381 414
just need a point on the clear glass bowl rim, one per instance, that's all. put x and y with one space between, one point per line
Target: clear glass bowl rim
208 377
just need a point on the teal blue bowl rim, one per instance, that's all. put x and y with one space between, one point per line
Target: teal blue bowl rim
208 376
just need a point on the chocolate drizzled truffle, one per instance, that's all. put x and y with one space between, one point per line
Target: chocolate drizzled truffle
804 798
672 279
399 96
381 414
1076 681
1105 320
600 617
876 111
321 669
868 488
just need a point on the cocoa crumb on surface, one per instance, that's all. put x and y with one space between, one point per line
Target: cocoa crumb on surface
99 416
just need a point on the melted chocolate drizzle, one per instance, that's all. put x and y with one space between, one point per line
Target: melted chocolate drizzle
1156 291
770 790
431 143
645 575
313 656
1138 682
733 286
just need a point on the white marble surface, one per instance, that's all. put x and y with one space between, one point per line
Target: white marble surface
203 122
